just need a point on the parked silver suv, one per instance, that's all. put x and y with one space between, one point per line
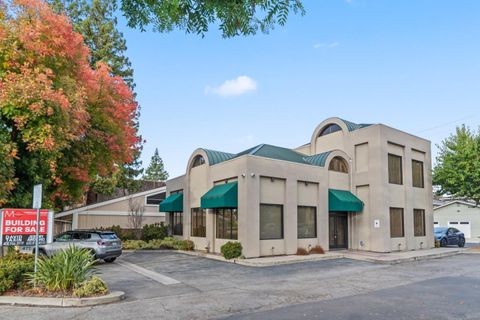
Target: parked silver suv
104 245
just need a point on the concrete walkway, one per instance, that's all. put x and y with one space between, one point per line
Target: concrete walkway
403 256
376 257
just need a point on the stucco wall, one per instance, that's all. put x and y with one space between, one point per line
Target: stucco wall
366 152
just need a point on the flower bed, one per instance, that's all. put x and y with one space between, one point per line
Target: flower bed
68 273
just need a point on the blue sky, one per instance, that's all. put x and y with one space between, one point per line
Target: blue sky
412 65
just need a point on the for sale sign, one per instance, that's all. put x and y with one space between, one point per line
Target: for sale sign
19 227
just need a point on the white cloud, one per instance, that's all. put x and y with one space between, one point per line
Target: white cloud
327 45
233 87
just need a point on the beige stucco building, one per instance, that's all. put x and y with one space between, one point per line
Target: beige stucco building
353 186
117 211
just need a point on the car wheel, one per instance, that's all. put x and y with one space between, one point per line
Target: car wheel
443 242
109 260
461 243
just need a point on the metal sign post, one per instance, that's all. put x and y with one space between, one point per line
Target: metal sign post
37 204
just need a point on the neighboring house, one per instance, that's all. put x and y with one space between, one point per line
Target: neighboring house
462 215
353 186
113 212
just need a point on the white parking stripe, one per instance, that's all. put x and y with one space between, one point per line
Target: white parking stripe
149 273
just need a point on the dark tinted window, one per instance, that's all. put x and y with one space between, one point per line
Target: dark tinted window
198 161
64 237
331 128
155 199
108 236
395 175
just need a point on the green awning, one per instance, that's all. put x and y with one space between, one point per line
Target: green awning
221 196
173 203
341 200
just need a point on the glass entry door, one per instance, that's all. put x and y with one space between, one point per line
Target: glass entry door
338 230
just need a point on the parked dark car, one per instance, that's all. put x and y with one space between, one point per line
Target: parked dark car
449 237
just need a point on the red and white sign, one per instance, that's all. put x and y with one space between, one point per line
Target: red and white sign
23 222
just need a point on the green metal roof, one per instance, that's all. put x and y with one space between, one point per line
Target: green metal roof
274 152
318 159
271 152
341 200
351 126
221 196
278 153
215 157
173 203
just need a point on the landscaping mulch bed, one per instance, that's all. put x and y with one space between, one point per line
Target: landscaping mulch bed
43 293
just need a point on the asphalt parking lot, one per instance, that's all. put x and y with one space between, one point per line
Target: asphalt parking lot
332 289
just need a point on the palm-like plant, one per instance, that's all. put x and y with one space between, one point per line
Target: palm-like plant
65 270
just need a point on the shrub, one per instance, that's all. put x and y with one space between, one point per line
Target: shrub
302 252
123 234
437 243
65 270
133 244
231 250
187 245
91 287
13 270
167 243
154 231
317 249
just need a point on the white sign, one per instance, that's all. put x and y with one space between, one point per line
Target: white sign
376 223
37 196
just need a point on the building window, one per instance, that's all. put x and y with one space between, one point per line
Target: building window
395 169
176 222
338 164
419 222
198 161
271 221
199 222
226 224
306 222
155 199
396 223
417 174
331 128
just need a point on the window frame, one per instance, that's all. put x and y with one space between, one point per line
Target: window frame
282 236
176 218
226 233
422 179
338 159
328 127
423 233
314 221
402 220
390 177
154 205
198 160
198 212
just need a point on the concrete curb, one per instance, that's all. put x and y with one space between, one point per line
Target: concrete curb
114 296
401 260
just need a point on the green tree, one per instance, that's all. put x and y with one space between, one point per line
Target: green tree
97 23
239 17
457 171
156 170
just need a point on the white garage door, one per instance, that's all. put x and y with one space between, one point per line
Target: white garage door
463 226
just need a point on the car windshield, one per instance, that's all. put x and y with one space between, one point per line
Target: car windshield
109 236
440 230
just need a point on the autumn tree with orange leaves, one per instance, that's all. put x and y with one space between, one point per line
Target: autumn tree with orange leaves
62 123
